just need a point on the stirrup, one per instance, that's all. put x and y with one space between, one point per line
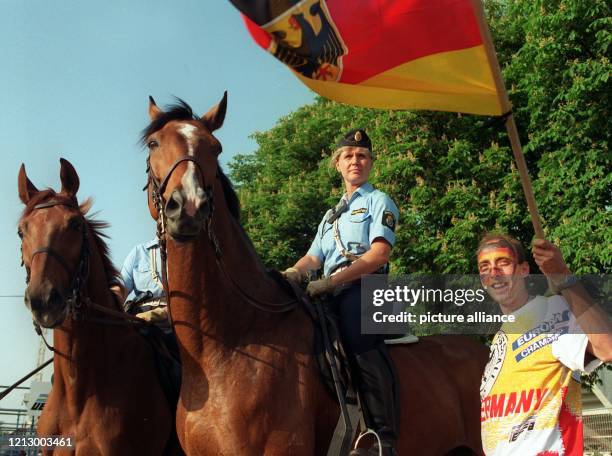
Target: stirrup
366 432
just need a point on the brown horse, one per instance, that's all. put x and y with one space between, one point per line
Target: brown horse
250 383
105 394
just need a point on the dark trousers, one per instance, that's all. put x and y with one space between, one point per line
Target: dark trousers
347 305
371 362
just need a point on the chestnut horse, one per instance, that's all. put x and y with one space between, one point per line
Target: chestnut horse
251 385
105 394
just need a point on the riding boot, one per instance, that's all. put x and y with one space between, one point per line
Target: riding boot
376 374
396 394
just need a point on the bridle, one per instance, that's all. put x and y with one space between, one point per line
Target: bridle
157 189
79 277
78 302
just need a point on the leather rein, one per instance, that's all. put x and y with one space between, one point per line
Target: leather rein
157 189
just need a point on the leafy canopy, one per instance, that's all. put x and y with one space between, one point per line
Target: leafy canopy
451 175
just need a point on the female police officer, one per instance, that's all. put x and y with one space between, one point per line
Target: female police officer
356 238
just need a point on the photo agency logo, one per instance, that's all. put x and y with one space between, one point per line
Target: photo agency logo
427 304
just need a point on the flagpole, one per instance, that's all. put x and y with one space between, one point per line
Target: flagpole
515 142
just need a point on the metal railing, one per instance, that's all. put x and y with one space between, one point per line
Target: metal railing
597 431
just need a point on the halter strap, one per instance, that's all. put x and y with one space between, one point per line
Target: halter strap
158 201
52 253
48 250
161 187
56 203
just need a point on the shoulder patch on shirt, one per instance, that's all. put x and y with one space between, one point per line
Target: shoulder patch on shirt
388 219
361 210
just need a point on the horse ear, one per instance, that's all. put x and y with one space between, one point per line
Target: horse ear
26 188
154 111
214 118
69 178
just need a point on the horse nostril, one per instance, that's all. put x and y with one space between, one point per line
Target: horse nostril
54 297
35 304
174 204
41 298
203 208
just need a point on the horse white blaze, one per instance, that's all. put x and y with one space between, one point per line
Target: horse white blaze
194 194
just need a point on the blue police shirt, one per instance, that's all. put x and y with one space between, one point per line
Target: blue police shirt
137 271
370 214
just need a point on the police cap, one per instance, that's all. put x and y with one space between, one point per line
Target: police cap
355 138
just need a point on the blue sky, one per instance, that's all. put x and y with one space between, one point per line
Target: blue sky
74 82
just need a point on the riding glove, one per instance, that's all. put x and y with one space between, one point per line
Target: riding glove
320 287
293 275
154 316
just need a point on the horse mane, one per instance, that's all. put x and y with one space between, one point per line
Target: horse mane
233 203
94 228
113 276
177 111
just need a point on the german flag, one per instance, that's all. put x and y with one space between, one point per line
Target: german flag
392 54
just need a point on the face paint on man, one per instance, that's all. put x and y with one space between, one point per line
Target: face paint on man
497 267
496 259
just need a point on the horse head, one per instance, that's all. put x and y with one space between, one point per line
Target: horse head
182 166
53 234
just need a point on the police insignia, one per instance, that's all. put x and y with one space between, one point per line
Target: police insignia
388 219
358 136
361 210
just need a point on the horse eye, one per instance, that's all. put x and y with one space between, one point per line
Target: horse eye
75 224
20 233
152 144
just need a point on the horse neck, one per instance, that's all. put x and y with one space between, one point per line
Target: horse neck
201 290
83 346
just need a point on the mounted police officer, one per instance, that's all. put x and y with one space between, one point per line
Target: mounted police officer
142 280
141 275
355 238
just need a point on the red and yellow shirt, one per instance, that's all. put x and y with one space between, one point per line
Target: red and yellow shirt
530 398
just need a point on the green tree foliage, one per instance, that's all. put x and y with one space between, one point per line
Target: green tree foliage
452 175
